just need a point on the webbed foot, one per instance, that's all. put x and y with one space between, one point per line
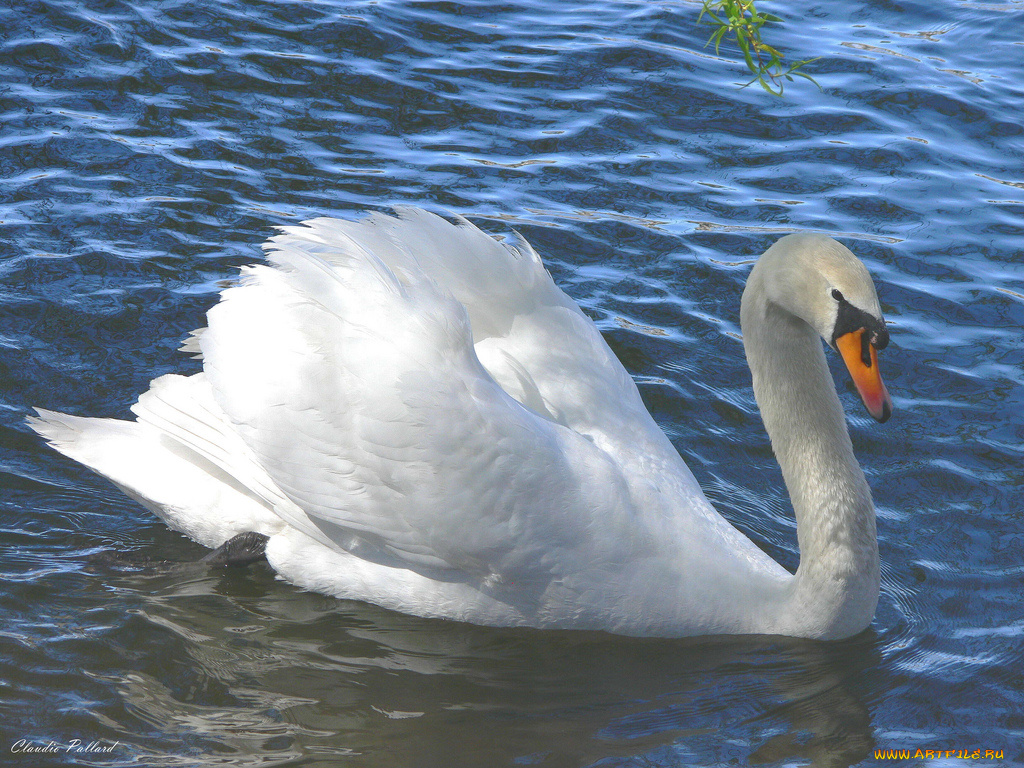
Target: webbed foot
238 551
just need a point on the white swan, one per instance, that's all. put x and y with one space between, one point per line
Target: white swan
416 416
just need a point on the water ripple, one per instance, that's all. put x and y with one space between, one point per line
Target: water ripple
147 149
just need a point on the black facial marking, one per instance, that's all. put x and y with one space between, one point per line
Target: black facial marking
851 319
865 349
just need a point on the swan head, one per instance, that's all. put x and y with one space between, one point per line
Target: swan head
821 282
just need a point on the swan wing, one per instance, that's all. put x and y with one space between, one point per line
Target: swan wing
356 386
533 340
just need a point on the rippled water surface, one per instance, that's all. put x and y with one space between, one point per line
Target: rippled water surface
147 148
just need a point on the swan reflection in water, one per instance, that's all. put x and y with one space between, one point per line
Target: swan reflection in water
265 671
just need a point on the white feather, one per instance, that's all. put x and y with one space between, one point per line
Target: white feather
417 416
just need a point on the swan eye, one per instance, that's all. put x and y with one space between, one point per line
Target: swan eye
837 295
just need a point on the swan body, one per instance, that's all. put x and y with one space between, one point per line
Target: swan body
416 416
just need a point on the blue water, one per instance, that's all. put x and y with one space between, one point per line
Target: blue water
147 148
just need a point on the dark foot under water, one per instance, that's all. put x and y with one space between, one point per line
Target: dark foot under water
237 552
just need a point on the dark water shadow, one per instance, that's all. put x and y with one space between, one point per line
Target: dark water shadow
264 671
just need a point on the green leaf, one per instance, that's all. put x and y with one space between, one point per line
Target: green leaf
807 77
742 22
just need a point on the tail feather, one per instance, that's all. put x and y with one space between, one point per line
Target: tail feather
183 408
188 492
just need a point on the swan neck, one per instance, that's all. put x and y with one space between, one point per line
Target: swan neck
836 584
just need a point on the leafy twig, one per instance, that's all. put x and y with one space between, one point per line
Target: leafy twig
741 20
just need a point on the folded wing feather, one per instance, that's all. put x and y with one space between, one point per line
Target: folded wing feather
356 386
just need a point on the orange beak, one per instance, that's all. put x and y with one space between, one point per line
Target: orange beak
862 361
